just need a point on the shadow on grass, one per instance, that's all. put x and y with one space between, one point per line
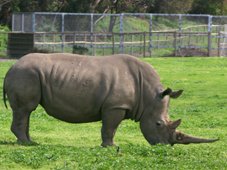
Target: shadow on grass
61 147
2 142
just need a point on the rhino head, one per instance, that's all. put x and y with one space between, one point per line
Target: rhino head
156 126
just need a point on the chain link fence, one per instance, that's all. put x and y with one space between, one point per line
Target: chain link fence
136 34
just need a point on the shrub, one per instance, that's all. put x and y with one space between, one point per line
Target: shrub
3 39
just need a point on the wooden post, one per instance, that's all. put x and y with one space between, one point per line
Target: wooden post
53 47
179 34
141 39
190 34
91 43
219 44
85 39
150 43
144 44
158 40
103 49
209 44
131 44
113 43
94 45
44 40
175 43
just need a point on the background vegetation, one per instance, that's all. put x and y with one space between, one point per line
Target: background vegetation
77 146
3 40
217 7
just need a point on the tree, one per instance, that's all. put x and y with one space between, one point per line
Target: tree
80 6
171 6
208 7
28 6
224 7
5 12
123 6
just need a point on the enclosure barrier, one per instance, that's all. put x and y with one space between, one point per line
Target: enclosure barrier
137 34
139 44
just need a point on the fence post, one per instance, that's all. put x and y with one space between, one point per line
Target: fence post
113 43
33 22
121 34
180 23
62 31
141 43
54 40
144 44
175 43
219 44
179 31
209 34
209 44
92 35
22 23
13 22
33 27
95 44
131 44
150 35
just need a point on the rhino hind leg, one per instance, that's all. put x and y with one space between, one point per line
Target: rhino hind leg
20 126
20 123
110 121
23 101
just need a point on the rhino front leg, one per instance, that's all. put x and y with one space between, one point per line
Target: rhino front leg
20 126
110 121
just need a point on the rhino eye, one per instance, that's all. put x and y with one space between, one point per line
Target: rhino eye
158 123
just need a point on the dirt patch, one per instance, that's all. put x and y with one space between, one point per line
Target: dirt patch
190 52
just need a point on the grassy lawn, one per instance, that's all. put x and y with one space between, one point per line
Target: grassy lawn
60 145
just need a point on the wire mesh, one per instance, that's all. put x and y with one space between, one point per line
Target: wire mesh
137 34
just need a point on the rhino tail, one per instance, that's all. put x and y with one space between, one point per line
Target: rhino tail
4 95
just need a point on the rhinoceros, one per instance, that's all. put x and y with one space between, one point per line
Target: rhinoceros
81 89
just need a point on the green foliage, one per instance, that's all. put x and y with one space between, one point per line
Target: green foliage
61 145
79 50
208 7
172 6
3 39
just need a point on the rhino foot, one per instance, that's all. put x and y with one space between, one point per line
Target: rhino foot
106 144
27 143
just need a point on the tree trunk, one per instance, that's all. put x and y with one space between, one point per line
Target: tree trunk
112 23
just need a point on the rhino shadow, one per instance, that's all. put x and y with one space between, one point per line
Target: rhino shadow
3 142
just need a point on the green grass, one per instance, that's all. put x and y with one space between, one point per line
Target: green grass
61 145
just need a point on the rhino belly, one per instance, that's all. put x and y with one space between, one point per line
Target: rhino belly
74 106
71 114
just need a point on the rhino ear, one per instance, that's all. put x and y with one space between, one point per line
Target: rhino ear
166 92
175 124
172 94
176 94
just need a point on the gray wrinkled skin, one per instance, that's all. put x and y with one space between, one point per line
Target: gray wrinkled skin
79 89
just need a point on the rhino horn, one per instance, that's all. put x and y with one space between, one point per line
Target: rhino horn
181 138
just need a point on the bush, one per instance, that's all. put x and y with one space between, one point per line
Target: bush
79 49
3 39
